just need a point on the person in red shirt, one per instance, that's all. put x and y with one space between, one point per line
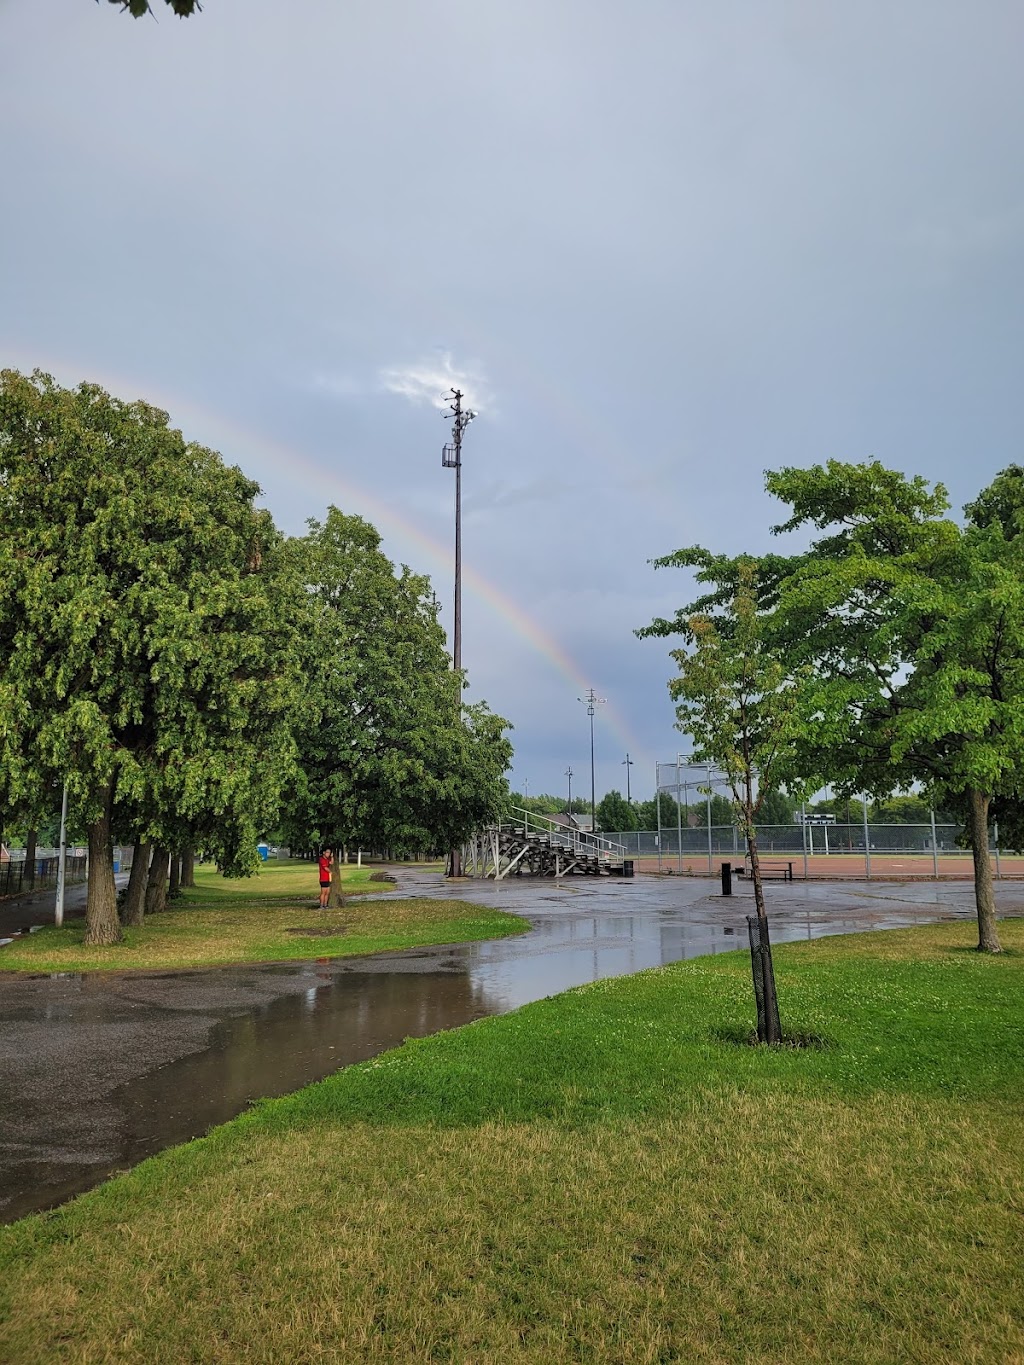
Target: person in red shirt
326 858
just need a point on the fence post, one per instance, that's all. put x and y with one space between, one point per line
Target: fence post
679 821
867 842
657 803
803 834
995 826
711 861
935 848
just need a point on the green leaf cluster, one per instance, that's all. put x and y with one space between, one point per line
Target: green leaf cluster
389 757
906 627
147 639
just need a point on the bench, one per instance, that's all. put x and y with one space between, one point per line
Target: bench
771 871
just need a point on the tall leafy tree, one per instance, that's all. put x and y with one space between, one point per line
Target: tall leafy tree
746 711
615 813
387 757
915 625
146 630
777 808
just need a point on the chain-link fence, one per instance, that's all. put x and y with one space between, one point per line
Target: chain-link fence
818 849
18 877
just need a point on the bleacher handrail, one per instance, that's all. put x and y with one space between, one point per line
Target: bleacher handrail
580 841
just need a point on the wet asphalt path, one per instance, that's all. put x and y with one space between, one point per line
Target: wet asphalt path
98 1071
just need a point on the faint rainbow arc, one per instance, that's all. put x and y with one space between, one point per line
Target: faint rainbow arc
241 441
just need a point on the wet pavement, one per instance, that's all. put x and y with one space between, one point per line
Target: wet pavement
98 1071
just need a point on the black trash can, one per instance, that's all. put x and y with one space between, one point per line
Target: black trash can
627 867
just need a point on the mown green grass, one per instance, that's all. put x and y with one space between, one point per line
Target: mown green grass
602 1176
252 919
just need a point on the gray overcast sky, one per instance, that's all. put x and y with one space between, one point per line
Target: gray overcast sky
663 245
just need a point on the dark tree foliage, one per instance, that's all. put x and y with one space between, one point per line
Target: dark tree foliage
137 8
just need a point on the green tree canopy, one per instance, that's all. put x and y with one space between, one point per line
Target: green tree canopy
917 626
776 809
615 814
137 8
387 758
146 644
747 711
647 811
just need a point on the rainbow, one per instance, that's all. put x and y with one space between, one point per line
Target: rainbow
239 445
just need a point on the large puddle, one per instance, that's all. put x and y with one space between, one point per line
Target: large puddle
99 1071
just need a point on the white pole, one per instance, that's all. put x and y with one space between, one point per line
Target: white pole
995 830
867 840
657 803
58 914
825 828
803 831
679 822
710 859
359 857
935 848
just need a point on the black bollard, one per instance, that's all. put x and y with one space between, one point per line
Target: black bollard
727 879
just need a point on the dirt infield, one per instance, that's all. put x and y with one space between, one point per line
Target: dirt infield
842 866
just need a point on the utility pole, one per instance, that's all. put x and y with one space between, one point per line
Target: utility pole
451 458
628 762
568 809
593 701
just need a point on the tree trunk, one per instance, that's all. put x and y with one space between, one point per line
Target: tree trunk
156 890
188 866
335 897
984 895
769 1027
175 874
30 857
135 900
102 926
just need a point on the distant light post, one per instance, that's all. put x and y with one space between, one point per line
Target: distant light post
568 809
593 701
627 764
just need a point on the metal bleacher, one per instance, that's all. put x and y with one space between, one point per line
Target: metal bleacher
538 846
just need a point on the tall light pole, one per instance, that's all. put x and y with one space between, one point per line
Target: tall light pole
628 763
451 458
568 809
593 701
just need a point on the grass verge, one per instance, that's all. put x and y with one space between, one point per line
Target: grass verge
600 1176
270 918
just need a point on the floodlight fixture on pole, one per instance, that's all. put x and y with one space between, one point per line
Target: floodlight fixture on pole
593 701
